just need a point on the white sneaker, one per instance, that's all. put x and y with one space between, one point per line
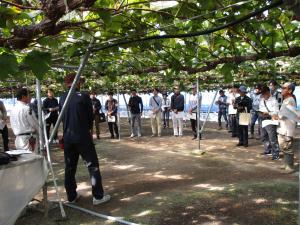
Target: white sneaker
132 135
139 135
105 198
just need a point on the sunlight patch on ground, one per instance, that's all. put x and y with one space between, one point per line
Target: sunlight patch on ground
210 187
127 167
259 200
144 213
285 202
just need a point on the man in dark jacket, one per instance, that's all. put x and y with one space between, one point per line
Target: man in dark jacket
177 107
111 106
243 104
50 106
135 105
77 123
96 113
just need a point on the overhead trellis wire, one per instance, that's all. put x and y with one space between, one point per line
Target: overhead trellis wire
192 34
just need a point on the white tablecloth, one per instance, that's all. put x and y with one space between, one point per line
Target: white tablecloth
20 181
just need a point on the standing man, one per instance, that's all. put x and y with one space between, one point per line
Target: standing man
166 103
177 107
155 104
3 126
243 104
273 85
268 110
111 106
50 105
256 98
96 113
135 105
77 123
23 122
287 125
232 112
222 103
193 107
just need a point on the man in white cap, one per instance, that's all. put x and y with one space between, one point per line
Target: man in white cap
288 117
243 104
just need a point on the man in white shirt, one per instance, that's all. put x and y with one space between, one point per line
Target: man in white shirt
268 110
166 104
155 104
288 117
232 120
23 122
193 103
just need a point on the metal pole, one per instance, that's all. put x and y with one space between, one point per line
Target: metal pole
212 103
39 105
129 120
83 62
118 115
62 211
198 113
115 219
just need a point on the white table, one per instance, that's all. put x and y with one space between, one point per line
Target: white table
20 181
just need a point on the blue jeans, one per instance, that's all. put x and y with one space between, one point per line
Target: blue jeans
254 118
136 118
270 140
222 112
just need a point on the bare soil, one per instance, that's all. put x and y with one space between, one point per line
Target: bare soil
166 181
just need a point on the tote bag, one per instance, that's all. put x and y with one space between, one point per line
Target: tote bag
244 118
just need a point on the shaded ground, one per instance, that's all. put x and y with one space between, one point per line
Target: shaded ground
163 181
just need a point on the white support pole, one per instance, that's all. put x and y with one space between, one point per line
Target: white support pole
62 211
198 113
118 115
128 114
83 62
41 124
209 110
112 218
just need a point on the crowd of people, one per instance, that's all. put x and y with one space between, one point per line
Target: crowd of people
275 113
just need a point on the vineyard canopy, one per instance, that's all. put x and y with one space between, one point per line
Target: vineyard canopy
145 44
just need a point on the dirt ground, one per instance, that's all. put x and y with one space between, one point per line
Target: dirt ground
166 181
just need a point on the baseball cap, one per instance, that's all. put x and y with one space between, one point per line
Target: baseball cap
243 89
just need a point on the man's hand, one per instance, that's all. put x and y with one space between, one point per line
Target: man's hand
190 111
275 117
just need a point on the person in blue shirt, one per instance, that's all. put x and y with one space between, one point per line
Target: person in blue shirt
223 105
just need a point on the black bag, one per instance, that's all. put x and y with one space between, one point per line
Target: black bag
4 158
102 117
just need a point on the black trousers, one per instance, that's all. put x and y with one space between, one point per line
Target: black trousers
51 121
88 153
194 125
166 115
243 134
4 132
113 128
233 125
